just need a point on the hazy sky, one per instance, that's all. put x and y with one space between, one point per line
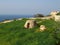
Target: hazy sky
28 7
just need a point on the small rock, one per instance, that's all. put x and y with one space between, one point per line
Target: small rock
42 27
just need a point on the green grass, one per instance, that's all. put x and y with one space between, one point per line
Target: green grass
14 33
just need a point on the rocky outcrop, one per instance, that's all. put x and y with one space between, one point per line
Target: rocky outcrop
57 18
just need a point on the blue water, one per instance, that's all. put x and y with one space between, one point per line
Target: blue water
4 17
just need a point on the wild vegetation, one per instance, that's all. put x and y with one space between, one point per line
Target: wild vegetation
38 15
14 33
58 13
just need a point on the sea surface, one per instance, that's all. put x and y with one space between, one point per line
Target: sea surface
10 17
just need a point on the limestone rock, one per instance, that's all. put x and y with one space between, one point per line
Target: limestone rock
57 18
42 27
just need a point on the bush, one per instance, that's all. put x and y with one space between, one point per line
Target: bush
39 15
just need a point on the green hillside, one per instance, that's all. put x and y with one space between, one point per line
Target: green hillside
14 33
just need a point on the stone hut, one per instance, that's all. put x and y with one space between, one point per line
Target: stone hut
30 24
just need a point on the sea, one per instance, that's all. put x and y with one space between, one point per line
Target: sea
10 17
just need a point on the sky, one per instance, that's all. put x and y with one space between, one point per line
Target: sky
28 7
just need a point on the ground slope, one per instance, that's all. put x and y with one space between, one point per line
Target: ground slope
14 33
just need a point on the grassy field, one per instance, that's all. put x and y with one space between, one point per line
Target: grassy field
14 33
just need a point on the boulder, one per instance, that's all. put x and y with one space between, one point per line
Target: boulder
42 27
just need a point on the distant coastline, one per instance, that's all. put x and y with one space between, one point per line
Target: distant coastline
10 17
